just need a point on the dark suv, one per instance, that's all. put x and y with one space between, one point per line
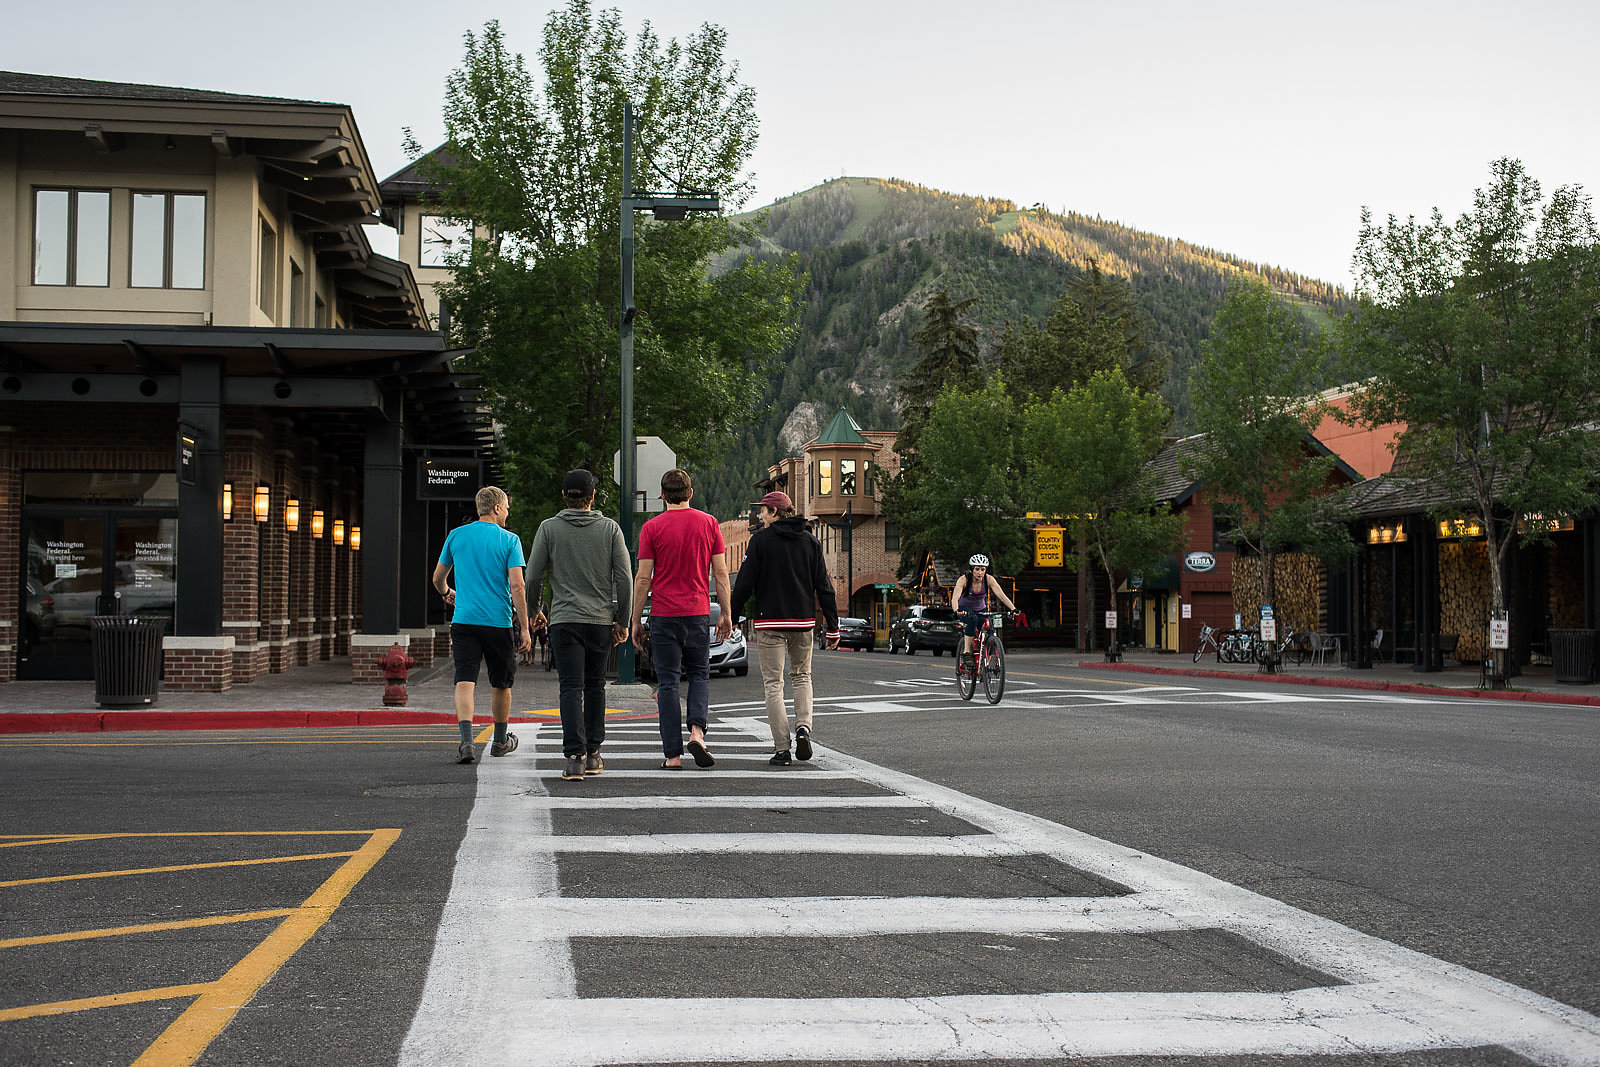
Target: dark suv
925 626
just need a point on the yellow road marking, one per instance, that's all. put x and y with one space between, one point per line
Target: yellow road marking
35 838
187 1037
178 867
483 734
146 928
137 996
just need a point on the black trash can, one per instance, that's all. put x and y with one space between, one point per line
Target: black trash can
1572 652
126 651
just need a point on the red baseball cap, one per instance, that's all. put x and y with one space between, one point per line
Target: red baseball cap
777 501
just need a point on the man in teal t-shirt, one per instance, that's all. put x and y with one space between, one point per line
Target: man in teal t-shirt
490 623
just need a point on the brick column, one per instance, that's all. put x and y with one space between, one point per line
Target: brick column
197 664
422 645
367 649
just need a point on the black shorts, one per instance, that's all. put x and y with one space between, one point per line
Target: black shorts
492 645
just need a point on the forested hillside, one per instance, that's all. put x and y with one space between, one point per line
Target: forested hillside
875 250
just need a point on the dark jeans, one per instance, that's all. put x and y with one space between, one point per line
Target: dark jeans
680 647
580 651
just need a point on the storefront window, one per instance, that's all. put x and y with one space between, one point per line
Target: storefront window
135 488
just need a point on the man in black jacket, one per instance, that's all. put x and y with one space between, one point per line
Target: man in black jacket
783 570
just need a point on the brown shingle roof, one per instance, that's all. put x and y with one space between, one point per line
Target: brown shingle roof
52 85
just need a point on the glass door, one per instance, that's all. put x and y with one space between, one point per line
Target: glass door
144 580
63 584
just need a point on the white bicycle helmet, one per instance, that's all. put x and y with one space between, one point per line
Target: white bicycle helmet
979 560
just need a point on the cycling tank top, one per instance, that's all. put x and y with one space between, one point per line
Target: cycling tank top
978 601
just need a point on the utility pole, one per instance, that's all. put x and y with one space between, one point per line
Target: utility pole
666 208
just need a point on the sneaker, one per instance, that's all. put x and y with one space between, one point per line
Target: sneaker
802 743
574 769
780 758
593 764
465 753
506 747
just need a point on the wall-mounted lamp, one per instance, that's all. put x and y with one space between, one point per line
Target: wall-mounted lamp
355 539
318 521
263 502
338 531
291 514
227 501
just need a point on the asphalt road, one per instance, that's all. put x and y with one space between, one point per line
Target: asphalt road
516 918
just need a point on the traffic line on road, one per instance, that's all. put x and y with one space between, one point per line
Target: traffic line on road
668 800
796 844
508 933
857 916
145 928
176 867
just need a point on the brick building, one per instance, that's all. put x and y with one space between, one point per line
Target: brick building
216 401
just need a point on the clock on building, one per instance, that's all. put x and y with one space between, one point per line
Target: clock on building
440 237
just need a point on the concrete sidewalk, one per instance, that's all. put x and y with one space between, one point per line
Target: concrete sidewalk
320 694
1535 684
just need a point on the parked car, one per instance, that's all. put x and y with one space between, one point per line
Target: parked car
853 633
925 626
730 655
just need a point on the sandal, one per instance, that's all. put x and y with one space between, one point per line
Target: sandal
671 766
702 758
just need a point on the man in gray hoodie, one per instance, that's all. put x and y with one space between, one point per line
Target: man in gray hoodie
591 587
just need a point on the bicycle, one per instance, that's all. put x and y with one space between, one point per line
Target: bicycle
987 661
1208 636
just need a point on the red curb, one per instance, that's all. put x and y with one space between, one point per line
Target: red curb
1578 699
74 722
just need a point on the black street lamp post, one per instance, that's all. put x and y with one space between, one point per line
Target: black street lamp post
666 208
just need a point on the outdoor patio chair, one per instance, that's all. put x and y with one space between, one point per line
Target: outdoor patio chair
1377 648
1321 645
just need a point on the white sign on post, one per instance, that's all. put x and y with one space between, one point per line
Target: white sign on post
652 459
1500 632
1111 620
1269 628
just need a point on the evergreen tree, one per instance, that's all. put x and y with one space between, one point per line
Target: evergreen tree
949 344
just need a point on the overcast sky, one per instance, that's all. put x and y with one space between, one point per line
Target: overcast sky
1257 128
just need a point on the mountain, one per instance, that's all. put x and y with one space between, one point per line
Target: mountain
876 249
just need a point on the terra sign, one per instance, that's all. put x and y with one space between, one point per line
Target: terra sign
1199 562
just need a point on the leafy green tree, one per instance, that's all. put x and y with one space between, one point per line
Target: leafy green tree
1093 326
1251 393
964 497
1481 337
949 344
538 169
1088 454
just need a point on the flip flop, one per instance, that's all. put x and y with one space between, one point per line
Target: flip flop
702 758
671 766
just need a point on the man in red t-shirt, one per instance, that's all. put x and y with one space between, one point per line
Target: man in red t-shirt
677 549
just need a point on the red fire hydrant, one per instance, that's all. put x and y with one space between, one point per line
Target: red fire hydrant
396 667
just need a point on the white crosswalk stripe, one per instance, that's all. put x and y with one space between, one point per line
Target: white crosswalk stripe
502 980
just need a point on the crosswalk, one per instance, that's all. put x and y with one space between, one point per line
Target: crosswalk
516 976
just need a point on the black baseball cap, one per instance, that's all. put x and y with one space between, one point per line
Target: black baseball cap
578 481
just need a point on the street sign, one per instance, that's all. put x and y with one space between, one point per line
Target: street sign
1111 620
1269 628
1500 632
652 459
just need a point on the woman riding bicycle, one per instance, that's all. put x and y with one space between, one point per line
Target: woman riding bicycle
971 598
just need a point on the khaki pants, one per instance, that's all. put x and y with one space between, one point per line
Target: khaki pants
771 648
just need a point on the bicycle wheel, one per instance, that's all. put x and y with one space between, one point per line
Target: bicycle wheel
1199 648
966 676
994 670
